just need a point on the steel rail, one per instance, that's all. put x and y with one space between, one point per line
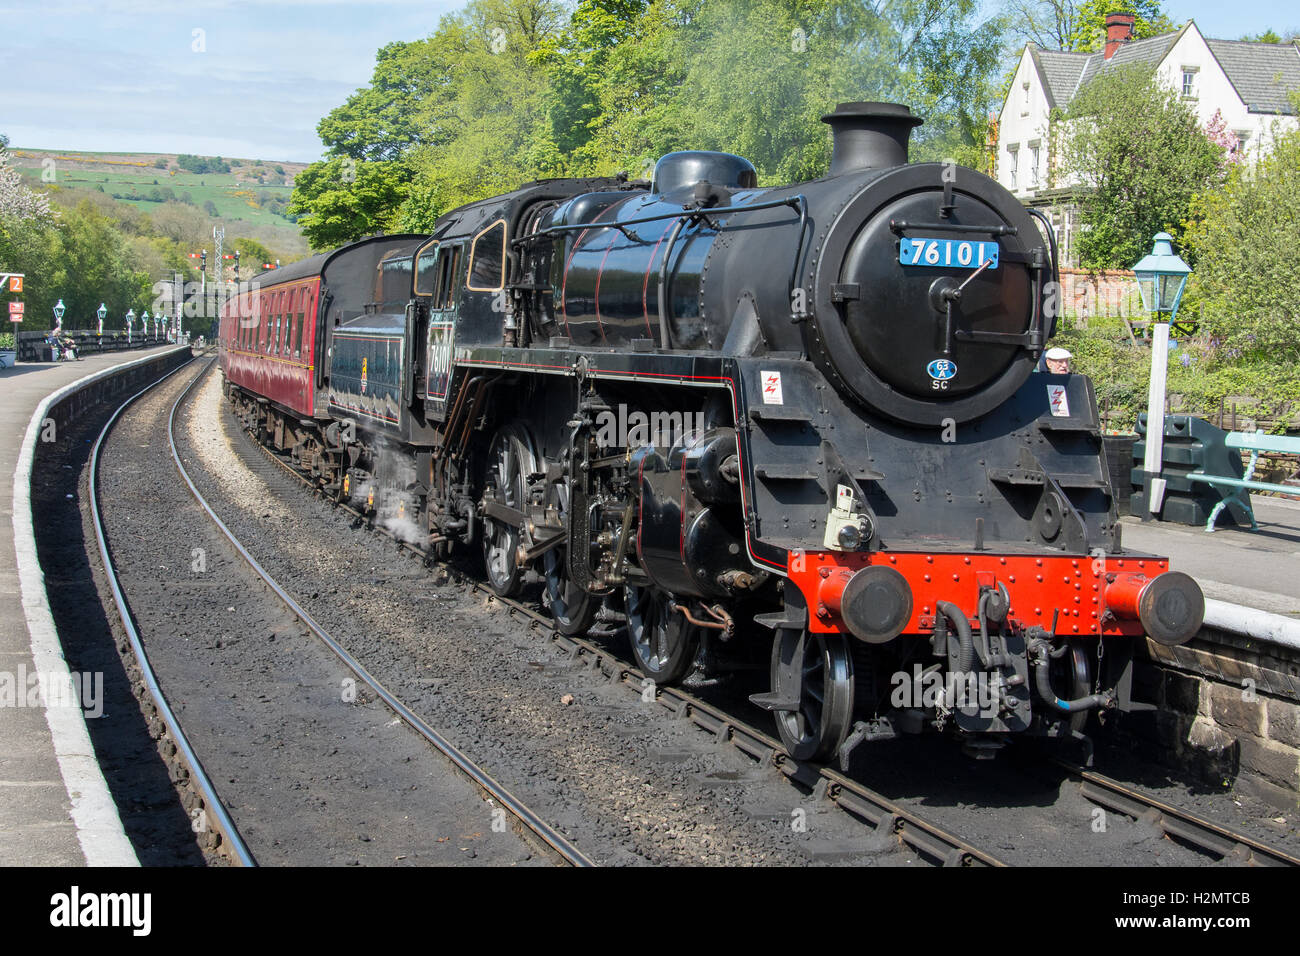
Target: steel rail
221 821
911 829
851 796
1219 839
881 813
526 816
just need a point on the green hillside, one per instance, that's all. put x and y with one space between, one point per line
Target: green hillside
249 199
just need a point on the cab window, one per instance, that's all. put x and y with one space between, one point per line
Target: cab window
426 266
449 270
487 259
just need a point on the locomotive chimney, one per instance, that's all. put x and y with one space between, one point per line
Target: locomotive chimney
869 135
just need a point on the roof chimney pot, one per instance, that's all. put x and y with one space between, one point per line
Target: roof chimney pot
1119 30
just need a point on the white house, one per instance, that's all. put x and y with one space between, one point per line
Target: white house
1249 84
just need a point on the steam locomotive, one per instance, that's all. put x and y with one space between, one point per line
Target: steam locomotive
798 428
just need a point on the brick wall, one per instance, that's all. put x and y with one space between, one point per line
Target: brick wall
1229 712
1109 293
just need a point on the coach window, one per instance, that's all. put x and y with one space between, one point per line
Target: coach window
286 346
274 344
286 342
487 259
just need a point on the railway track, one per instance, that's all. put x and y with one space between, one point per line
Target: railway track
531 826
230 844
559 845
1216 839
933 842
884 816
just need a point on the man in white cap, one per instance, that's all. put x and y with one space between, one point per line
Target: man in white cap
1058 360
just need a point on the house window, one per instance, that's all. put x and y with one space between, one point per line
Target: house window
1243 136
1024 100
1013 163
1033 168
1189 82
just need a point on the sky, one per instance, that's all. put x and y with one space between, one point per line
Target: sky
252 78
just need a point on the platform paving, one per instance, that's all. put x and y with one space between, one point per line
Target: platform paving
36 824
1259 569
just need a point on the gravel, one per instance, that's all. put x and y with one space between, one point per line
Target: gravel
621 777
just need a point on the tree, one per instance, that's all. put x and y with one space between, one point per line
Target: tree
1079 24
490 122
340 200
1047 23
754 76
1243 244
1140 157
253 254
506 91
576 59
1090 26
18 203
1292 35
397 111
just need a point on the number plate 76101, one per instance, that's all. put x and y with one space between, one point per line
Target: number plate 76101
947 253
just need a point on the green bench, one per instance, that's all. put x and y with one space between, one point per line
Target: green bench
1236 491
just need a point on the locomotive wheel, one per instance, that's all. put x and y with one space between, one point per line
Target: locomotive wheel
1073 673
663 641
573 609
509 461
817 671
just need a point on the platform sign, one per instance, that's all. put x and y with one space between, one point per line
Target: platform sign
15 283
15 311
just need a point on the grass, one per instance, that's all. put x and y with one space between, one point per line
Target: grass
237 195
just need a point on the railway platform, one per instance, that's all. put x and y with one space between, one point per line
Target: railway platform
1256 569
53 810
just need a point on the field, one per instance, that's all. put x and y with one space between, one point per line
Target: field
249 199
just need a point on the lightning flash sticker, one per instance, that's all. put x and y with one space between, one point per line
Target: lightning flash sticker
1056 399
772 388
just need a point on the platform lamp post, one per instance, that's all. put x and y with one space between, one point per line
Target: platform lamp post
101 313
1161 278
144 326
130 320
58 316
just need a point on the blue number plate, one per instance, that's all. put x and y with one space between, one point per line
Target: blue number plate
947 253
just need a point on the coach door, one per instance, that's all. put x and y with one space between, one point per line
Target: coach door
437 272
